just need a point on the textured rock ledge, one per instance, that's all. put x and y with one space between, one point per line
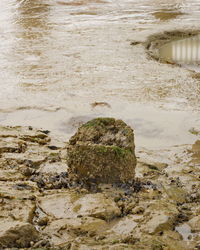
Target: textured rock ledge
41 207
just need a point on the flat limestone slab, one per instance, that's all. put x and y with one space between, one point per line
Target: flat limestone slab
70 205
53 168
62 230
18 190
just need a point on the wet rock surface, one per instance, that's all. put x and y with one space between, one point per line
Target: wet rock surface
17 234
102 151
42 207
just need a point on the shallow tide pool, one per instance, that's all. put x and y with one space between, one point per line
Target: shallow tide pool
185 52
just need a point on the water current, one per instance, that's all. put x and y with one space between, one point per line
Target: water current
64 62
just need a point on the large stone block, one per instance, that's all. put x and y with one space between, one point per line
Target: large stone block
102 151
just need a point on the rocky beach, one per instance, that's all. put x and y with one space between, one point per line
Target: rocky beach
64 63
43 208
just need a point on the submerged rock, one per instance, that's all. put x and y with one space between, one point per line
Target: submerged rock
102 151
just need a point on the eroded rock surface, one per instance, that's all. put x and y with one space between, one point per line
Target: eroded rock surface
103 150
17 234
70 205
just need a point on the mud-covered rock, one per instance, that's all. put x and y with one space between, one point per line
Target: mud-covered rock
98 206
102 151
169 240
18 190
158 223
58 232
159 216
196 152
11 145
59 206
70 205
10 175
195 224
30 160
12 209
63 230
53 168
17 234
125 226
176 194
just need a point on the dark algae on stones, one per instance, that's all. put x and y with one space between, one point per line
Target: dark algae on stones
102 151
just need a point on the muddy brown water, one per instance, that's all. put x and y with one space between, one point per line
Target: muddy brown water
60 57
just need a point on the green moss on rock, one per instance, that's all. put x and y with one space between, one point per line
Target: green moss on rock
102 151
99 122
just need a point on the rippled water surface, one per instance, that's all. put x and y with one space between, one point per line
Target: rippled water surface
60 57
